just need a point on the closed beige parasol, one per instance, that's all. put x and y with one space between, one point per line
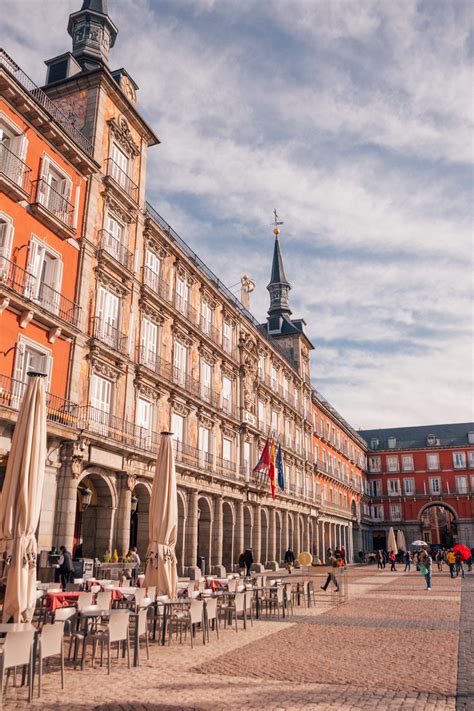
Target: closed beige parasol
163 523
20 504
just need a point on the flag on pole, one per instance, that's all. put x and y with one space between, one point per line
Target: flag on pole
280 470
264 460
271 469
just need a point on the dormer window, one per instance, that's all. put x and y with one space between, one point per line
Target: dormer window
374 443
470 437
392 442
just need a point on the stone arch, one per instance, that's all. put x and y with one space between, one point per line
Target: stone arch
264 532
442 504
205 518
438 523
228 527
180 540
279 553
248 526
139 519
95 524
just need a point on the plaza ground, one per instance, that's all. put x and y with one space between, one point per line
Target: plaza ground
392 645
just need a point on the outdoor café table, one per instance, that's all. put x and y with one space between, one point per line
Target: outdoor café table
167 605
91 614
62 599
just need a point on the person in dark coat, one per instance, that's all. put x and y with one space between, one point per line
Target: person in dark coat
248 560
289 559
66 568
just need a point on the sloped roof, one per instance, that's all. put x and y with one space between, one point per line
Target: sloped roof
450 435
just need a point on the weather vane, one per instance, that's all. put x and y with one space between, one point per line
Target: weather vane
276 231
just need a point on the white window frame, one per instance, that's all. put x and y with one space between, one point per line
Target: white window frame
407 463
393 487
435 484
7 231
20 369
432 461
409 486
462 484
392 463
178 422
375 464
395 512
459 460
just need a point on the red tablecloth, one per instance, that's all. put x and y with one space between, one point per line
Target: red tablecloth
54 600
219 585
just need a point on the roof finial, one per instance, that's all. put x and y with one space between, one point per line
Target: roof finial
276 231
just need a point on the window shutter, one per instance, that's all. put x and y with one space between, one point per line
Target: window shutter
35 257
19 361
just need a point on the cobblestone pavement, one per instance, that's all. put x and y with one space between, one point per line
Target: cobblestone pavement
392 645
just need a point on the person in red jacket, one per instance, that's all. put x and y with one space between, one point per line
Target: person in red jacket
392 559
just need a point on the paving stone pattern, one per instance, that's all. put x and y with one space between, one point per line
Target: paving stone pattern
368 653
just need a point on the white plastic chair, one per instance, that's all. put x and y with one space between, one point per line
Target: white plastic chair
51 645
232 585
85 600
211 616
17 651
103 600
142 622
115 631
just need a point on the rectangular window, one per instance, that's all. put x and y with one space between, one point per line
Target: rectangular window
182 295
227 450
177 427
206 317
45 271
395 512
13 145
298 440
262 420
459 460
297 399
432 461
435 485
286 388
107 312
100 398
204 445
274 378
144 417
393 487
261 367
152 271
274 422
180 362
375 487
227 337
148 343
227 395
288 433
119 167
377 511
114 238
6 241
29 357
374 464
407 463
206 380
247 462
461 485
409 486
392 464
470 459
54 190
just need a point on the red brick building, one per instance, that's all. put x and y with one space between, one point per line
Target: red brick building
421 480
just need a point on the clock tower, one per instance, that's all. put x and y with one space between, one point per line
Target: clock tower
93 34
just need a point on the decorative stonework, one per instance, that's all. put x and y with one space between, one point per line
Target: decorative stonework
181 335
104 369
207 354
208 297
113 207
205 419
72 453
108 282
179 407
227 431
228 372
150 392
154 245
183 272
122 134
151 313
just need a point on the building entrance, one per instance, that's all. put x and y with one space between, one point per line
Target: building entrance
438 526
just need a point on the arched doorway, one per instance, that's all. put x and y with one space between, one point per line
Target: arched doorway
438 525
139 519
263 536
278 551
180 538
204 533
247 527
94 525
228 536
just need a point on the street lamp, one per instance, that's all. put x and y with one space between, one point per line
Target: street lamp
86 497
133 504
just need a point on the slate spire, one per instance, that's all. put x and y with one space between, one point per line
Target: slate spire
279 286
93 34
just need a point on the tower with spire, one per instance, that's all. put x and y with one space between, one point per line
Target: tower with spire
93 34
280 326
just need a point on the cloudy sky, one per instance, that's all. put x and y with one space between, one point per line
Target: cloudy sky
354 119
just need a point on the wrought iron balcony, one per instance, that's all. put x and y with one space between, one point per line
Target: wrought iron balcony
209 330
108 334
52 208
185 308
113 246
208 395
58 410
33 289
225 467
123 431
158 285
229 407
122 179
15 175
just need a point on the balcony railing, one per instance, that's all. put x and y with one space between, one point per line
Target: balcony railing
54 202
208 395
43 99
108 334
30 287
150 359
122 431
156 284
120 177
209 330
113 246
58 410
14 168
226 467
184 307
228 407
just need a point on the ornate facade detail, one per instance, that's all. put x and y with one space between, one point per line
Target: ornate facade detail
122 134
151 313
183 272
115 208
180 334
227 431
150 392
73 453
104 369
107 281
207 354
228 372
154 245
208 297
179 407
205 419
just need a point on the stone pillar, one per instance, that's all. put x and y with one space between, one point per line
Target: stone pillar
284 532
48 508
239 529
257 539
122 537
218 537
308 546
68 479
350 544
322 543
272 541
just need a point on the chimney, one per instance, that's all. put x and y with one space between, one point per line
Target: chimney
248 285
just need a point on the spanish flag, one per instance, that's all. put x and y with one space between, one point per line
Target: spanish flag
271 470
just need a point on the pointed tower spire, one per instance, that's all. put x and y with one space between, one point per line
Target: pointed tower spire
279 286
93 34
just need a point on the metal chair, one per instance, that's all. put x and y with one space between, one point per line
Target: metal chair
116 631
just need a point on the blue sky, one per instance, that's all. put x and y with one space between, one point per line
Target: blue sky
354 119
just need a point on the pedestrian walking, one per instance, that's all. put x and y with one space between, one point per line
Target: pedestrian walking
384 558
248 560
426 563
439 559
378 555
393 559
135 558
407 561
459 564
66 567
343 554
289 559
451 558
332 574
